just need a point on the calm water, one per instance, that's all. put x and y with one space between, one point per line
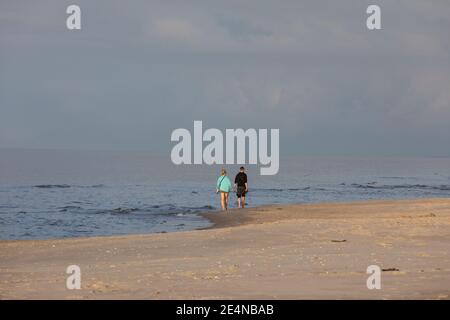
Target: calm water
54 194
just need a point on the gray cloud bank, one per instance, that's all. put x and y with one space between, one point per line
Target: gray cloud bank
139 69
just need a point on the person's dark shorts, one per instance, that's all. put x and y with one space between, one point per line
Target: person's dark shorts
240 192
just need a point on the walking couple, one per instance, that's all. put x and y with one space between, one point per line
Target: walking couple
224 187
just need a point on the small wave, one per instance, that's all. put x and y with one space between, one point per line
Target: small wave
288 189
151 210
363 186
51 186
402 186
69 208
183 208
79 209
399 178
124 210
204 208
182 211
62 186
268 189
92 186
58 223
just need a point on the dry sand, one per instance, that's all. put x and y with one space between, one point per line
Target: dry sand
274 252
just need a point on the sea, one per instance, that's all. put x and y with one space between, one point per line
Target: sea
47 194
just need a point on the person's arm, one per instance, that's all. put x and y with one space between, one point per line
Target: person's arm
246 187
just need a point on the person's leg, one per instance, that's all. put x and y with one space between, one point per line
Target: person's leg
240 194
226 200
222 200
243 201
239 201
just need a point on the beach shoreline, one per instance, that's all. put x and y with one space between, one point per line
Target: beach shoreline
302 251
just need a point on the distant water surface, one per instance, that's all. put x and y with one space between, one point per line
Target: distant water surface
55 194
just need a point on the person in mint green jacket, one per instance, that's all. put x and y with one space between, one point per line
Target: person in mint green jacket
224 187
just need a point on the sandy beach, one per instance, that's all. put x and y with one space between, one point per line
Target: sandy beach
318 251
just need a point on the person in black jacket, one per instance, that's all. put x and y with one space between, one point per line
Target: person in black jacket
241 185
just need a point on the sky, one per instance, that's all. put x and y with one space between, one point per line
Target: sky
137 70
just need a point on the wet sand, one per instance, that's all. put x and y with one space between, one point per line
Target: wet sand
318 251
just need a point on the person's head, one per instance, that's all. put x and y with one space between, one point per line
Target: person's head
223 172
241 169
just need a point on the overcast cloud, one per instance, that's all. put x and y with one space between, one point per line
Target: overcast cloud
139 69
